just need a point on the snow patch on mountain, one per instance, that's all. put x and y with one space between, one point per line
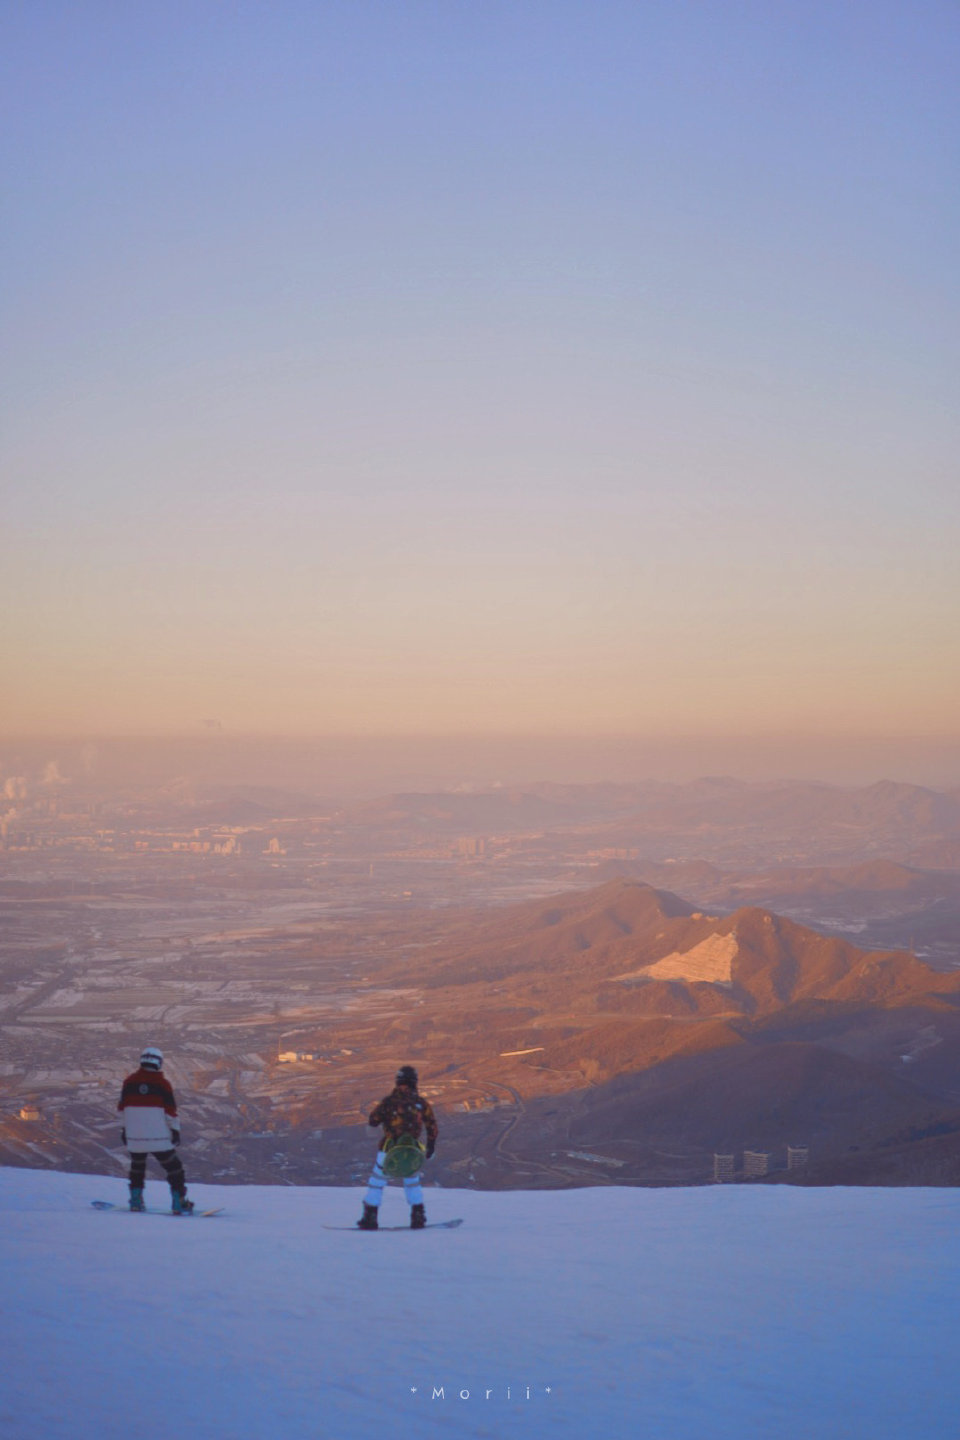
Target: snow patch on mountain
711 962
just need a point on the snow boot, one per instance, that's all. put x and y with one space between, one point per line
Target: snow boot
179 1203
368 1220
136 1198
418 1217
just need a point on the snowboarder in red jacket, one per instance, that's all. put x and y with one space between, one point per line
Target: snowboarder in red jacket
151 1127
404 1115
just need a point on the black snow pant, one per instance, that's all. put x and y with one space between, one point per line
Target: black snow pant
170 1161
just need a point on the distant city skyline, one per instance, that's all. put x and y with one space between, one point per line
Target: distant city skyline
501 369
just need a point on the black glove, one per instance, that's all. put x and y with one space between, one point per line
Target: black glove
431 1146
123 1137
175 1136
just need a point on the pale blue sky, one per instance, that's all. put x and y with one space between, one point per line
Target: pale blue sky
520 365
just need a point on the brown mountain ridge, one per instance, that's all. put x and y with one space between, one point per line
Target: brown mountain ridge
628 947
622 1015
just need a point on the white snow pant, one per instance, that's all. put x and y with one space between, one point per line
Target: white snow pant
378 1183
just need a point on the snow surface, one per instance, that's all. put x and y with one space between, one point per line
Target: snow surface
760 1312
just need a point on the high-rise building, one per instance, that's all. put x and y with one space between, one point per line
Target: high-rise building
723 1168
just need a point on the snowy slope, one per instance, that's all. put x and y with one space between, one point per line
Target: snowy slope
673 1314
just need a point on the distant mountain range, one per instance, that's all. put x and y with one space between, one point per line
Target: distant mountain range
722 820
723 801
867 888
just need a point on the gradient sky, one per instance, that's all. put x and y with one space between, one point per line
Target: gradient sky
466 365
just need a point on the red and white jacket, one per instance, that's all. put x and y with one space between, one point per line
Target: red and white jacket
148 1111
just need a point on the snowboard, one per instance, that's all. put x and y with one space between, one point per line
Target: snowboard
430 1225
154 1210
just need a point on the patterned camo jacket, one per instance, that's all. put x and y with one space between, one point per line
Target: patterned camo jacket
404 1112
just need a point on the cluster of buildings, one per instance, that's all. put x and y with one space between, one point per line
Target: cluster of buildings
756 1164
302 1057
233 840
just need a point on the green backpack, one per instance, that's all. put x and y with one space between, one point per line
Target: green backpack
402 1157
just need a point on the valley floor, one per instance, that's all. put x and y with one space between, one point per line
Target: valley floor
772 1313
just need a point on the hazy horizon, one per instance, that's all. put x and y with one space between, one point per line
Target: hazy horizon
370 765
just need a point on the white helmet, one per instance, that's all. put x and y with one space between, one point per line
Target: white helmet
151 1059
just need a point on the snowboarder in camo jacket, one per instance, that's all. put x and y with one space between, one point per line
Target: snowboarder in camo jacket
151 1127
404 1115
